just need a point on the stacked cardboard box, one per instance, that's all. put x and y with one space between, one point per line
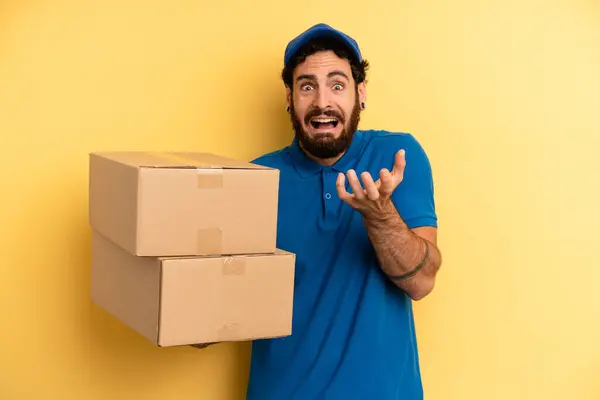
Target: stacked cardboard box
184 247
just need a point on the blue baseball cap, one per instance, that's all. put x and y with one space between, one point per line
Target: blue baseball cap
316 32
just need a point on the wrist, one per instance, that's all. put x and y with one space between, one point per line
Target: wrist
385 215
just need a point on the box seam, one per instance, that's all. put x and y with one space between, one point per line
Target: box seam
138 214
159 298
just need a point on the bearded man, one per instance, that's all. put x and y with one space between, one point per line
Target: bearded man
357 209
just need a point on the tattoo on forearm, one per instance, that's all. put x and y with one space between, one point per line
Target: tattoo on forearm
415 270
404 256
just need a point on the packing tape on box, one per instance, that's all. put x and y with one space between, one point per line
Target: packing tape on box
209 241
233 266
209 176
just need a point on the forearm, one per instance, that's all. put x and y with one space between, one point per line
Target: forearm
410 261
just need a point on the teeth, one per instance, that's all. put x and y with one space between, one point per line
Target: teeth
324 120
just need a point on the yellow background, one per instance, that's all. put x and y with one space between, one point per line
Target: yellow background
504 95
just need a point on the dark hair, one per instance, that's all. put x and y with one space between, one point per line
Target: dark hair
359 70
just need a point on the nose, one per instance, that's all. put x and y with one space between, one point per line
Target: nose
322 99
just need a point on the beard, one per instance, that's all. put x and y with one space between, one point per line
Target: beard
326 145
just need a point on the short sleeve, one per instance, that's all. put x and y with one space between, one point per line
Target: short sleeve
414 196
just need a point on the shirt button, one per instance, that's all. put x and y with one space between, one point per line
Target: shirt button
327 196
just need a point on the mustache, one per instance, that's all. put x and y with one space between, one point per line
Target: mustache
318 112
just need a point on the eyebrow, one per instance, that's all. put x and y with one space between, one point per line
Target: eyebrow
329 75
337 73
306 76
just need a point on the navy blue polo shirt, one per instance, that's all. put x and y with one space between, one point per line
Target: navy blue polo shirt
353 335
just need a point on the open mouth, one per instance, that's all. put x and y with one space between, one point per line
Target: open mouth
324 123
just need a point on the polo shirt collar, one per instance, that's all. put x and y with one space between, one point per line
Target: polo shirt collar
307 167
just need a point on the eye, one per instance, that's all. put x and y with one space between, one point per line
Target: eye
306 87
338 86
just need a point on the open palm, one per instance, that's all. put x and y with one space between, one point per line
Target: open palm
373 192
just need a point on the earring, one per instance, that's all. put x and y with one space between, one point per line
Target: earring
287 109
362 105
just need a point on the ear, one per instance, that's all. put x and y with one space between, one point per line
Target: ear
288 97
362 92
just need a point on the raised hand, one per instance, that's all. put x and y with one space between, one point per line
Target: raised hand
375 195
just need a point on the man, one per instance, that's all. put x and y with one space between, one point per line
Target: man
357 209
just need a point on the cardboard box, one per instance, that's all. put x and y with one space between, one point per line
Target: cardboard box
190 300
172 204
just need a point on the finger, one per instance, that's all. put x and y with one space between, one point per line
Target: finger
379 183
370 187
399 166
387 183
343 193
355 185
201 345
341 188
